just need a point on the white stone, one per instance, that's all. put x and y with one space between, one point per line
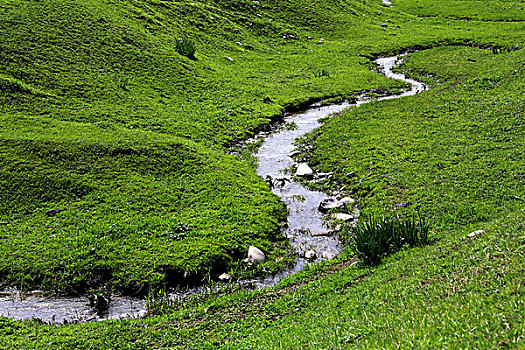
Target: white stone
328 255
121 317
229 58
142 313
325 174
310 255
321 234
347 201
327 204
255 254
304 170
342 217
225 277
475 233
90 317
331 203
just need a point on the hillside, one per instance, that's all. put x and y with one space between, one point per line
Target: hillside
121 167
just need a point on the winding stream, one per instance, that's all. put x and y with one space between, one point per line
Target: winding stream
305 222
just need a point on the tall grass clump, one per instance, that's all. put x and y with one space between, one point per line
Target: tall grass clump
374 239
186 47
160 303
322 73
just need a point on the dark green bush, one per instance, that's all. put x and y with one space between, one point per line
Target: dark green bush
185 46
375 238
322 73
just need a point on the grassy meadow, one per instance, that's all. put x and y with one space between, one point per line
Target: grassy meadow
120 167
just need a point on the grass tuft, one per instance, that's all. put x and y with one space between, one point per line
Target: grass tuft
159 303
322 73
186 47
376 238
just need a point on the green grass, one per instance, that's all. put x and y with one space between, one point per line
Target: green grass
116 168
122 204
374 238
466 10
104 121
82 81
459 293
453 152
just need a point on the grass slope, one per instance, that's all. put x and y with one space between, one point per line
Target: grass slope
500 10
453 152
135 207
459 292
103 121
110 72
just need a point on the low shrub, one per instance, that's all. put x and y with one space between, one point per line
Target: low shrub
322 73
100 299
185 46
160 303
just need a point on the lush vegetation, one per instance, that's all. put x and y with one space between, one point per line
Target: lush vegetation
460 292
373 239
498 10
112 138
116 167
453 152
132 208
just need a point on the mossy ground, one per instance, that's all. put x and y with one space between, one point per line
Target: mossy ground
105 122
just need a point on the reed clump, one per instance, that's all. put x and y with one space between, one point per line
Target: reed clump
377 237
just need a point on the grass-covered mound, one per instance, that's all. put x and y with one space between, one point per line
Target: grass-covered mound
119 62
88 204
453 152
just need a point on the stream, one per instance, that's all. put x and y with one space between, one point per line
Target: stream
306 228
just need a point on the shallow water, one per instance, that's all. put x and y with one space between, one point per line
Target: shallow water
304 221
20 306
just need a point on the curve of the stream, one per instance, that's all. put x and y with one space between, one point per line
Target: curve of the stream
306 228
